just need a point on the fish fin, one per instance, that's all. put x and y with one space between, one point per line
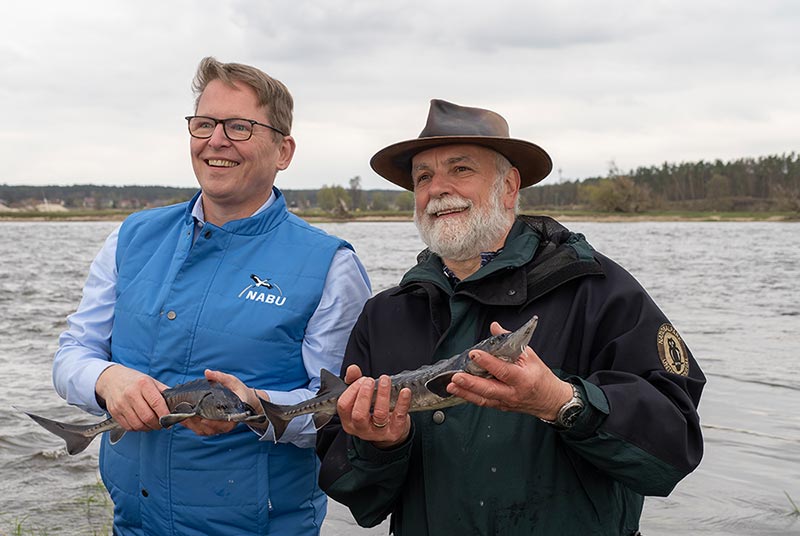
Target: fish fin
321 419
255 419
74 435
438 384
252 416
184 407
328 382
276 417
115 435
174 418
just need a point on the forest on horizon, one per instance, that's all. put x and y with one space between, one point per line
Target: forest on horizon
769 183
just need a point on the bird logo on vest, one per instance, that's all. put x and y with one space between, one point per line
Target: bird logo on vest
259 282
254 292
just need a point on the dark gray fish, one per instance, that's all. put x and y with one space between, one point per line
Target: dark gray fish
198 398
428 383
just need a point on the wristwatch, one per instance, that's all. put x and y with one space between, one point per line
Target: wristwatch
568 413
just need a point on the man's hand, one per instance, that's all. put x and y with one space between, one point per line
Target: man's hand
527 386
385 428
134 399
247 395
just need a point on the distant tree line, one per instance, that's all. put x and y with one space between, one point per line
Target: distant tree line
770 183
94 197
338 200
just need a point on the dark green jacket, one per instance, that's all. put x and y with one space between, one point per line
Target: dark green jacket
481 471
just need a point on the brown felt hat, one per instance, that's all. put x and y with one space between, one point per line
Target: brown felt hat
450 124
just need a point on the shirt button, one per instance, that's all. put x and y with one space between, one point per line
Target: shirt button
208 234
438 416
512 292
172 315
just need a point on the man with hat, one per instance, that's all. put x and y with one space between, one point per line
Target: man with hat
569 439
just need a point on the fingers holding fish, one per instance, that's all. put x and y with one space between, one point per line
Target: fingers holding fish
352 374
206 427
488 392
360 411
496 329
375 421
141 406
246 394
389 426
134 399
380 412
345 405
399 423
355 417
527 386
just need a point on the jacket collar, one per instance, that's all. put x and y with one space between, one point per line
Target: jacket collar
549 253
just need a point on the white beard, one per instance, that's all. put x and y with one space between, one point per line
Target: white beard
464 236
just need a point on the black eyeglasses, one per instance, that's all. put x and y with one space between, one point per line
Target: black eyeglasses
236 129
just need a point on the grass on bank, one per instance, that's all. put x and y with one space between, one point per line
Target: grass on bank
95 503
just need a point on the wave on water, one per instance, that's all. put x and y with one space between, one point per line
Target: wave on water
768 383
750 432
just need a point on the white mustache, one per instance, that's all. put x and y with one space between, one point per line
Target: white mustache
447 203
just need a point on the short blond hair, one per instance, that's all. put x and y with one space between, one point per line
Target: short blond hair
271 93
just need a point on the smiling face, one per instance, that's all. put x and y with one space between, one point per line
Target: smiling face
463 204
236 176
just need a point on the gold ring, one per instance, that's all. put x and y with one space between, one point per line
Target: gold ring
381 425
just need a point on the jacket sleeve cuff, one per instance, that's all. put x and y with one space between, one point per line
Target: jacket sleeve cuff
594 412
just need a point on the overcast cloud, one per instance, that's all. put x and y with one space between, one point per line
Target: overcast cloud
96 91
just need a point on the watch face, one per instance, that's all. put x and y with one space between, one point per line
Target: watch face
570 414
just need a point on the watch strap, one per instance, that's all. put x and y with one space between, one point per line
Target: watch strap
567 413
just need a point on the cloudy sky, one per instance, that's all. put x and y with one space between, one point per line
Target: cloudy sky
96 91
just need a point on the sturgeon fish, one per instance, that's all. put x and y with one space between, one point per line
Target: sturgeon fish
428 383
198 398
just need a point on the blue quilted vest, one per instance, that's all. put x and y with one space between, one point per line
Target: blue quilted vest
182 308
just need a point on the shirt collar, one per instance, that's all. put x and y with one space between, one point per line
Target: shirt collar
199 216
486 258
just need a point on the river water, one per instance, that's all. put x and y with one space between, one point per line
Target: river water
730 288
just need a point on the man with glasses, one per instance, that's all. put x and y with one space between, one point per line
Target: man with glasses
229 281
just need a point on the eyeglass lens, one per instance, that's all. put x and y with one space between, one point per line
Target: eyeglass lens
235 129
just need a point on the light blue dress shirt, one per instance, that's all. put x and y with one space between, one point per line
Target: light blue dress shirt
84 350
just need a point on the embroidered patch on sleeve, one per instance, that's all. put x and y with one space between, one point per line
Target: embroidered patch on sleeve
672 351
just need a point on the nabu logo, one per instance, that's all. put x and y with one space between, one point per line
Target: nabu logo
254 292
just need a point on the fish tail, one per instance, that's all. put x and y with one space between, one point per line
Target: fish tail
276 417
76 436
